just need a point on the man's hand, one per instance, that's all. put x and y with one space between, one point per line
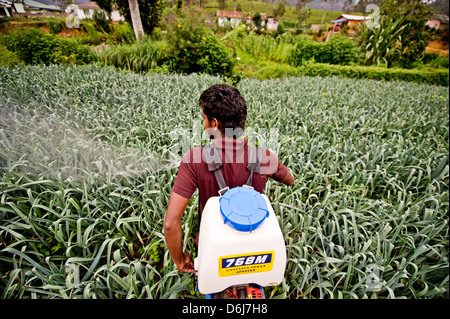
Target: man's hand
185 264
173 232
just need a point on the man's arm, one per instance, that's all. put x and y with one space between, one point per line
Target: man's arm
289 179
174 234
273 167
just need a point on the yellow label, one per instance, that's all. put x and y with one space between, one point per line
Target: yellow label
246 263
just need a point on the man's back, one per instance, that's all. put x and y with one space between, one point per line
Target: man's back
193 171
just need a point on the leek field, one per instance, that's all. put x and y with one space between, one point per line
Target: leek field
88 156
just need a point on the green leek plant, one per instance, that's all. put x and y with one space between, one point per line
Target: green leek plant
89 154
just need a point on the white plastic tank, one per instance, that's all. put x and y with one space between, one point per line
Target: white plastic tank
240 242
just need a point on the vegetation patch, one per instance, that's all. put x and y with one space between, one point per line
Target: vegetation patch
88 156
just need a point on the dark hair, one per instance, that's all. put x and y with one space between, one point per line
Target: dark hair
226 104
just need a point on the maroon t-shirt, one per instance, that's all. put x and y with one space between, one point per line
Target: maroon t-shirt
193 171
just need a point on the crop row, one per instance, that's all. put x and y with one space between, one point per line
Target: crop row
88 156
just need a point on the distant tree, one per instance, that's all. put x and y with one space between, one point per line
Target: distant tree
331 2
150 12
280 9
349 6
201 3
238 7
106 5
135 16
361 6
414 38
302 11
222 4
299 5
257 20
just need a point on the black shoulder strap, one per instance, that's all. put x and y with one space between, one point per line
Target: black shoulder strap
254 163
212 157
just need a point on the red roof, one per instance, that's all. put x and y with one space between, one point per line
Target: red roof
88 5
231 14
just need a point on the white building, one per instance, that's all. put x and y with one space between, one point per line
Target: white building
86 11
272 24
11 7
235 18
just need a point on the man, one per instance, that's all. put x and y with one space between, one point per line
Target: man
224 115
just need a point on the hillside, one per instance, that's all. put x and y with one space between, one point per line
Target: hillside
264 7
317 8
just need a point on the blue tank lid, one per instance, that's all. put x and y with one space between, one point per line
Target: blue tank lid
243 208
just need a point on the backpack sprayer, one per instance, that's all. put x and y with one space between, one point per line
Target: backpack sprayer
241 248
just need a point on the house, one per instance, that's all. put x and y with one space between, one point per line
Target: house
86 11
272 24
22 7
348 20
6 8
345 20
268 22
235 18
439 21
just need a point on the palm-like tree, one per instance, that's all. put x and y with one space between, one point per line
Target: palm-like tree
136 18
332 2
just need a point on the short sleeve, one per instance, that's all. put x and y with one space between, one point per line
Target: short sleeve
186 181
281 172
271 166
